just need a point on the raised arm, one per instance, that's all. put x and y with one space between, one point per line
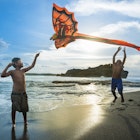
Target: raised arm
116 54
32 65
5 72
124 56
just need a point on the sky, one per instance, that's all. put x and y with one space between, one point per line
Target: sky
26 28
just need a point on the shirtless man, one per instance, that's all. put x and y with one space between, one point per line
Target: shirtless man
116 75
18 96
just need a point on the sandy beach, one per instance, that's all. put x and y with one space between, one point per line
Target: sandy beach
102 121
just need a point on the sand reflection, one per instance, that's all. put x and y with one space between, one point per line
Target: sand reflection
93 117
24 135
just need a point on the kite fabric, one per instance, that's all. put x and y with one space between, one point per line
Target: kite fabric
65 27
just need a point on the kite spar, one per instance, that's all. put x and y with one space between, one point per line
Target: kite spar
65 27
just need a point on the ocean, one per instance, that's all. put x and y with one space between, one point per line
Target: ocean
46 93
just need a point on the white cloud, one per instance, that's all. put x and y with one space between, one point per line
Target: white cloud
133 61
127 7
3 44
133 65
121 27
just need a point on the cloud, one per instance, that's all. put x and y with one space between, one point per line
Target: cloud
133 64
121 30
5 57
121 27
134 61
3 44
127 7
72 56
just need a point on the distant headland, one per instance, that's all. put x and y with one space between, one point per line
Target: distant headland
101 70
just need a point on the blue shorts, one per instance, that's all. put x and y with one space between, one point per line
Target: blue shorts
117 83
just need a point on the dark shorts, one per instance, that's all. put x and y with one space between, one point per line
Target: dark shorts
117 83
19 102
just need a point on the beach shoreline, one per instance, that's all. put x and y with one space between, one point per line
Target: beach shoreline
99 121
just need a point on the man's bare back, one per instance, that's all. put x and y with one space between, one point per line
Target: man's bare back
117 69
116 75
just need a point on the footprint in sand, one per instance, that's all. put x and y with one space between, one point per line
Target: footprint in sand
121 107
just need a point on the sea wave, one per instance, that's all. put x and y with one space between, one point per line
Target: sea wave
98 82
46 93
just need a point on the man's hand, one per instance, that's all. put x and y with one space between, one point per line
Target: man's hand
37 55
119 48
4 72
124 50
10 64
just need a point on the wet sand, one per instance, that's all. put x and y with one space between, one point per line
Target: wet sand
104 121
121 121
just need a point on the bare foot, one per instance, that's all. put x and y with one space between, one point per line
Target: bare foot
114 99
14 125
25 123
122 100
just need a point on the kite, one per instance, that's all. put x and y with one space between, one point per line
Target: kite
65 27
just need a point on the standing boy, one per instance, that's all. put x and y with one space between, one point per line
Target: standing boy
116 75
18 96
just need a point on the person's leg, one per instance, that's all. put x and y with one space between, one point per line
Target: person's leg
122 98
25 117
120 89
113 88
114 94
25 108
13 115
13 110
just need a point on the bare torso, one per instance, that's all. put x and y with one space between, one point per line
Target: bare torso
19 85
117 69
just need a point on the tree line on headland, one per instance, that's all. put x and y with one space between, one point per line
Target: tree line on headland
101 70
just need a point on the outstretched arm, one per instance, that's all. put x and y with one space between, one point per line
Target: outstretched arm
32 65
124 56
5 73
116 54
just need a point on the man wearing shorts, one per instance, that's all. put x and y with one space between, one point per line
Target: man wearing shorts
18 97
116 75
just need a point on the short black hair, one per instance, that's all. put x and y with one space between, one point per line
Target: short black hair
14 60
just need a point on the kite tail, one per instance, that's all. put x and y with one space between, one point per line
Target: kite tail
105 40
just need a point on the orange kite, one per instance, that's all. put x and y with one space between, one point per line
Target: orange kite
65 27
